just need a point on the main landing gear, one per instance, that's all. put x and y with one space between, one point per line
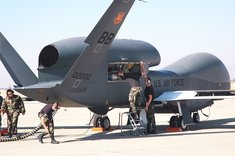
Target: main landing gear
196 117
177 121
101 121
185 117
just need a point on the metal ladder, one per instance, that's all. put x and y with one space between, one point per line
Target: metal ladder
135 129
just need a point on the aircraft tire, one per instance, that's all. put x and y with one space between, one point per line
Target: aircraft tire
196 118
174 121
105 123
98 121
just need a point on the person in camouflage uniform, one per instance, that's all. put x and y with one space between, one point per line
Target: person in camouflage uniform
135 101
13 105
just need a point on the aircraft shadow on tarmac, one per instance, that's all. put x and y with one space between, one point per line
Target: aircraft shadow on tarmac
214 127
215 124
205 127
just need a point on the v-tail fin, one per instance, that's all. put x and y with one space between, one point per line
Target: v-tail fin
20 72
99 41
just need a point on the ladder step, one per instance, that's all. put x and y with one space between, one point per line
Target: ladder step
136 126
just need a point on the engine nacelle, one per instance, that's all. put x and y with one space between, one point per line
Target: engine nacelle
56 59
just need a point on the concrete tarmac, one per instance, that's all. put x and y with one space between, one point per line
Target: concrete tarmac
214 136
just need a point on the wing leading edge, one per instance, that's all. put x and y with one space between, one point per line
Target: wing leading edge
195 95
178 97
99 40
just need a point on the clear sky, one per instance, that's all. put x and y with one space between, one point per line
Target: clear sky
175 27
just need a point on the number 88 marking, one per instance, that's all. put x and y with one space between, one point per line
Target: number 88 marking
106 38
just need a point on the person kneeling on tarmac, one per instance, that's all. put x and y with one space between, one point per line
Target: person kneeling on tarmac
46 119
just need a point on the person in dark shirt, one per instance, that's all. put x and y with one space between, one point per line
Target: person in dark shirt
149 97
149 107
46 119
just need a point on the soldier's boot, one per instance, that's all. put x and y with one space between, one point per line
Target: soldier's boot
9 135
40 137
15 131
53 141
136 117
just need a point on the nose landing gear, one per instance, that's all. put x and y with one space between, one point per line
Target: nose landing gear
101 121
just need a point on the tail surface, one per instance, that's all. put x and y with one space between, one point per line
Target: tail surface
20 72
99 41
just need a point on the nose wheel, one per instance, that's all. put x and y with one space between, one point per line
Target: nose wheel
101 121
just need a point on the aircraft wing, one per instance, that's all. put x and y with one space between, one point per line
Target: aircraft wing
99 40
195 95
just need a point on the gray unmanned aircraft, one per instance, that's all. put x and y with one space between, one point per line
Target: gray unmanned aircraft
80 72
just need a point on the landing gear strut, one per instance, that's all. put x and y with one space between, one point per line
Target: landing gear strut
176 121
181 123
101 121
